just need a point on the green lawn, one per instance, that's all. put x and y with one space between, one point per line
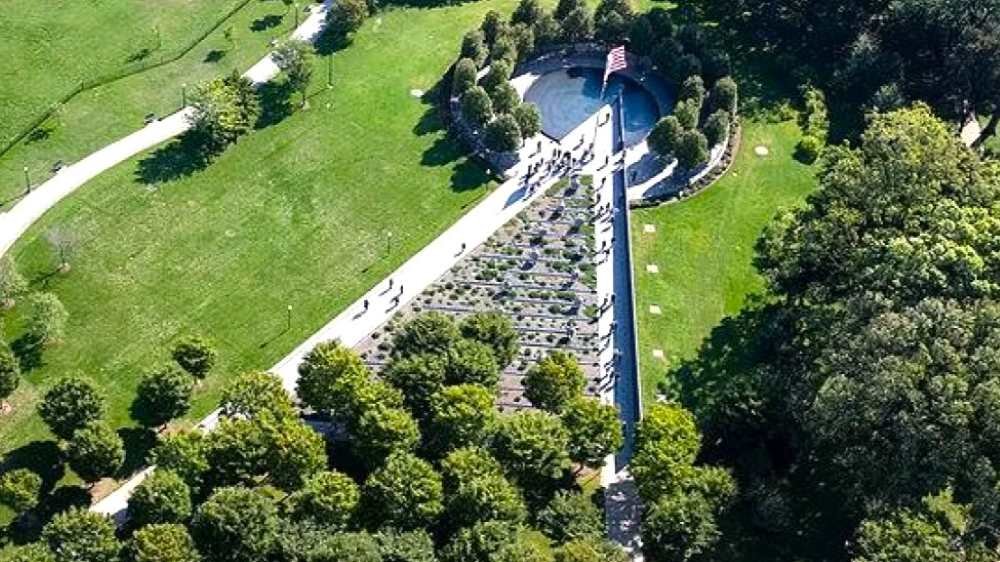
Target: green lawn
704 247
295 213
96 117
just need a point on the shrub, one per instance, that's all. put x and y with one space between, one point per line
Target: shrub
503 134
716 127
724 95
10 371
692 150
20 489
528 119
665 136
195 355
463 76
477 108
808 149
686 112
693 89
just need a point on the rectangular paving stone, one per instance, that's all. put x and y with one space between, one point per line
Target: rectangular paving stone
649 228
658 353
652 268
654 309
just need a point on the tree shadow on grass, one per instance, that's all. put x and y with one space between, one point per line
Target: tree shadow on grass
468 174
28 350
275 103
138 442
332 41
266 22
176 160
214 56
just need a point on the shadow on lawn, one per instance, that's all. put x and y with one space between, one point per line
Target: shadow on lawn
179 159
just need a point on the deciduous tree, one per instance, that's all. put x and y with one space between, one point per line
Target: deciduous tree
163 497
78 535
71 404
95 451
554 381
405 493
236 525
163 543
162 395
194 354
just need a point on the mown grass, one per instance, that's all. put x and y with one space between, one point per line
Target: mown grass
704 247
99 116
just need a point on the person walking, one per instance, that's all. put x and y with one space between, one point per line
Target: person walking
366 305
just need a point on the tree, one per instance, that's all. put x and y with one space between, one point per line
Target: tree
304 543
223 110
236 450
554 381
571 516
594 431
236 525
477 108
163 543
565 7
492 27
665 438
20 489
497 541
505 99
679 527
430 332
78 535
69 405
528 119
528 12
461 416
723 96
472 362
384 431
503 135
195 355
12 283
613 20
494 329
254 392
10 372
163 497
411 546
328 498
405 493
184 454
692 150
346 17
162 395
46 318
665 136
474 47
716 127
523 38
547 31
418 377
591 549
932 532
868 227
686 112
34 552
293 57
463 76
324 369
95 452
532 447
294 451
808 149
578 26
476 490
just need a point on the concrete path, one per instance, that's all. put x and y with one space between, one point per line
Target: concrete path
970 131
15 221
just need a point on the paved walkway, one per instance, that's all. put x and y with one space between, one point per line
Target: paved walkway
17 220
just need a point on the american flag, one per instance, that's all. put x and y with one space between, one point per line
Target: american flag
616 61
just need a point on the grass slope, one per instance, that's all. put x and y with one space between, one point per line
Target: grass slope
97 117
704 247
296 213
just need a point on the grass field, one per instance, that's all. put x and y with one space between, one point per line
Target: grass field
704 247
49 48
295 213
101 115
